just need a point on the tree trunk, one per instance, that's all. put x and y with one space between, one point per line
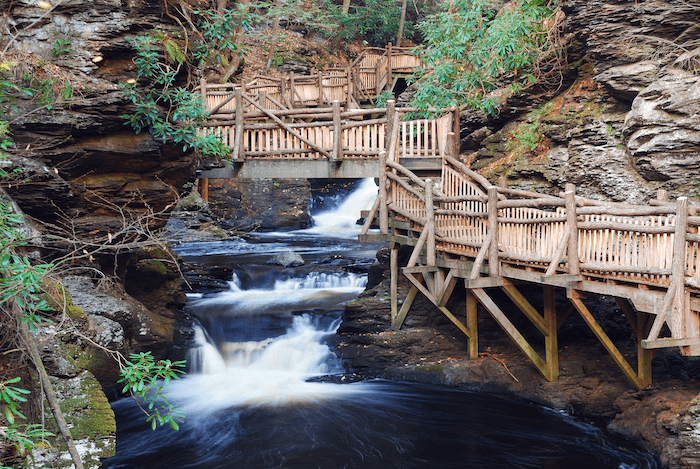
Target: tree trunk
404 4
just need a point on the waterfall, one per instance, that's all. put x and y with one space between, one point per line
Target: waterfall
204 357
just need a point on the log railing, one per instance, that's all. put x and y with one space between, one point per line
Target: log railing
362 81
653 247
334 134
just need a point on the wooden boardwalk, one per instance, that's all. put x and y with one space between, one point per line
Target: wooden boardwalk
335 144
315 124
463 228
374 71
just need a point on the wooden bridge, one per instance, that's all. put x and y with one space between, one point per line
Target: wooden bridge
336 144
372 72
464 229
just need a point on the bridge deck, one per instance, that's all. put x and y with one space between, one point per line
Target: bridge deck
462 227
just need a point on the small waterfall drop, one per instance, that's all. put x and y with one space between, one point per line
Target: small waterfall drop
204 358
341 222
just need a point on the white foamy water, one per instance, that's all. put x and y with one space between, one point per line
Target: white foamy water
312 290
269 372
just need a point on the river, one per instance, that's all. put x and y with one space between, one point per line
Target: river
250 399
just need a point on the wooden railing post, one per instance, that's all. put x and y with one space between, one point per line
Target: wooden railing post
292 91
390 113
455 124
337 132
679 262
662 195
238 126
383 209
203 89
321 100
452 145
492 211
572 251
429 223
349 88
283 91
389 68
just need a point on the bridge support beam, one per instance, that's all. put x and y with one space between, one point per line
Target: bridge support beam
640 378
546 324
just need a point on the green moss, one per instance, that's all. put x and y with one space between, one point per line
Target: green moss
89 417
433 369
154 266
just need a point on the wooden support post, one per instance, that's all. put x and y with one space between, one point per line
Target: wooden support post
389 78
348 75
262 99
510 329
238 141
456 129
572 251
337 133
641 324
283 89
390 117
394 265
472 337
502 182
550 340
679 321
404 308
383 207
377 77
204 192
575 298
321 99
292 88
492 210
430 223
662 195
452 145
203 91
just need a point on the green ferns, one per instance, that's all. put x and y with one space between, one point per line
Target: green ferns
473 49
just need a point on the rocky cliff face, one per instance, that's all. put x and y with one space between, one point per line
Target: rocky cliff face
624 121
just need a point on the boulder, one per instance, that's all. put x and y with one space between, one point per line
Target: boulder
287 259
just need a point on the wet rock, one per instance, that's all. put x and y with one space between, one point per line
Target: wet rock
287 259
249 204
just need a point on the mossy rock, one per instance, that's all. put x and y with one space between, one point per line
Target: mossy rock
90 419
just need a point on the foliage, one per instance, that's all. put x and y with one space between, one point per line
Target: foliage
375 21
145 379
61 47
472 50
20 280
383 97
220 33
184 110
22 437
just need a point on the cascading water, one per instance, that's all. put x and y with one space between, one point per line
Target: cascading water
251 401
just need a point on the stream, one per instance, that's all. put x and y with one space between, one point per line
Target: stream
250 399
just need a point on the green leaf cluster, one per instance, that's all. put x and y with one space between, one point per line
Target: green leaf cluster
220 30
170 113
375 21
472 49
22 437
146 379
